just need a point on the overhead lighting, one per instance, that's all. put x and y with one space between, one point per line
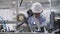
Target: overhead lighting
14 2
31 1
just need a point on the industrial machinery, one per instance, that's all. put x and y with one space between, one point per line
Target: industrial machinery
23 23
21 17
55 22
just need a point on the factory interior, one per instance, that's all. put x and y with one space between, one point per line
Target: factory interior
29 16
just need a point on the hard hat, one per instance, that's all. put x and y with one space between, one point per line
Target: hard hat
37 7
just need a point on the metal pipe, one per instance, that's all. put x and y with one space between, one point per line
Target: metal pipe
4 23
21 2
50 4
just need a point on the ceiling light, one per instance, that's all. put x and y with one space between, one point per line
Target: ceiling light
31 1
14 2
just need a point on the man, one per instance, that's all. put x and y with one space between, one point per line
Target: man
37 8
38 17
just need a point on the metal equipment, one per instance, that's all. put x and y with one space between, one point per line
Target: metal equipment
54 22
21 17
1 27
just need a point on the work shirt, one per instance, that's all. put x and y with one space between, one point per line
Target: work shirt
40 21
33 22
41 18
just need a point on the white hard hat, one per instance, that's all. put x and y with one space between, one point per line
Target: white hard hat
37 7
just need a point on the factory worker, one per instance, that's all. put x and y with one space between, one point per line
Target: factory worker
37 8
33 21
40 19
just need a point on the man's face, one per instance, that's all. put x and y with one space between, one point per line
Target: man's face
36 14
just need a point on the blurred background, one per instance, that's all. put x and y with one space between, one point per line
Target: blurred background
10 9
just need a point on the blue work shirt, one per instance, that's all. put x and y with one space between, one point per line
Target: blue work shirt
31 20
41 18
